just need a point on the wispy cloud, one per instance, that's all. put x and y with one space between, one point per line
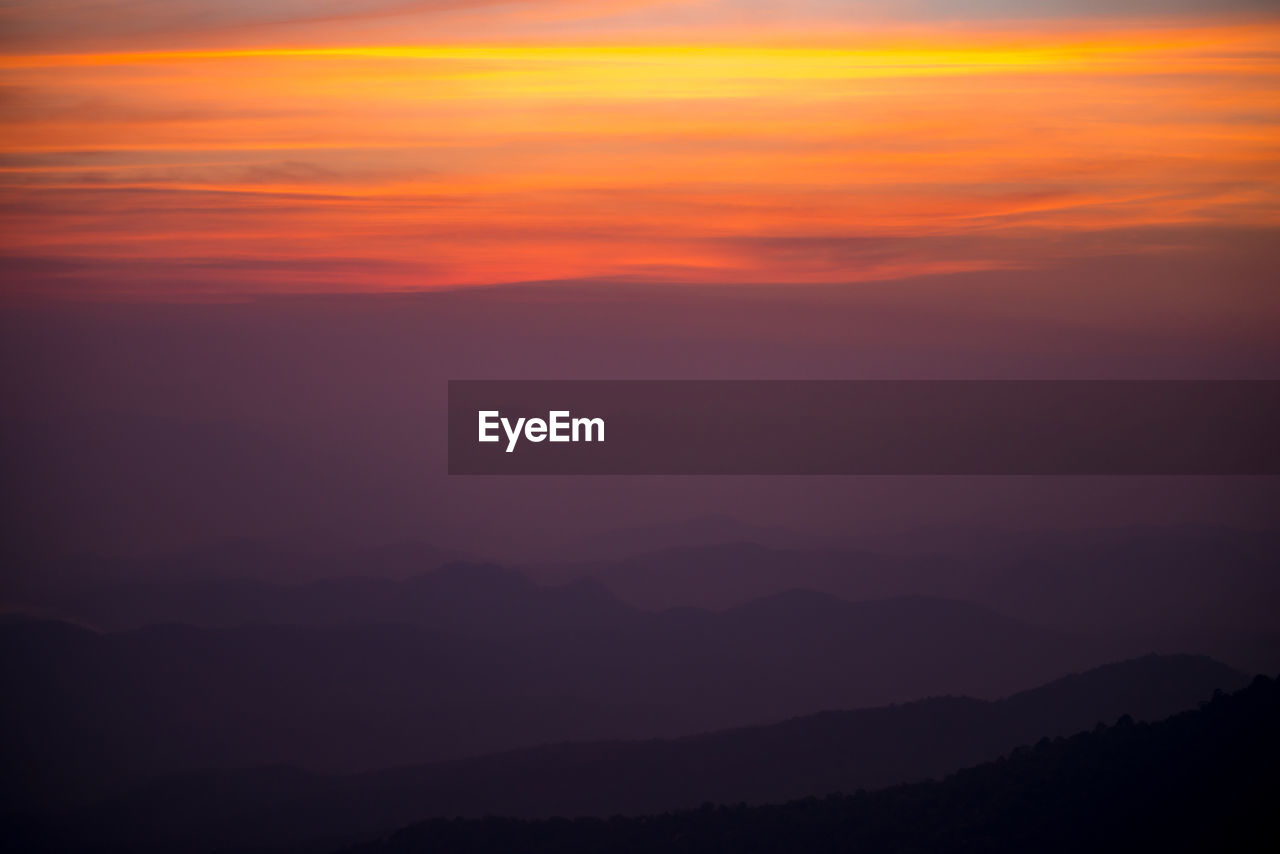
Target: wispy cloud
889 153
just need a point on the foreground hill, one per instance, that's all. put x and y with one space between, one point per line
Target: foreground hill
1199 781
814 755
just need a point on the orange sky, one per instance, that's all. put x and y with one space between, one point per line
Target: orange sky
337 154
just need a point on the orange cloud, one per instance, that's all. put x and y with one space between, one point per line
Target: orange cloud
412 166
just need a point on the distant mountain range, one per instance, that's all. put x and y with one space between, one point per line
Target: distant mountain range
1194 589
498 670
713 530
249 656
1210 590
1178 589
287 808
727 574
1143 577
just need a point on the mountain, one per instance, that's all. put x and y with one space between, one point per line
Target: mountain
1177 589
93 710
813 755
1173 589
711 530
727 574
1199 781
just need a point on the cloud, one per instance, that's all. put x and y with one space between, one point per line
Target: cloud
61 25
1082 8
34 23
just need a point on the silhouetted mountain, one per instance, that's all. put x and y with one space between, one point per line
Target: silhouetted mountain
1178 589
713 530
1199 781
1187 588
96 708
815 755
726 574
1184 589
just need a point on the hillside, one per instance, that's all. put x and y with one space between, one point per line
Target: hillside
1199 781
814 755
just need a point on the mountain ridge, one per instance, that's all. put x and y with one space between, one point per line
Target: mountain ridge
812 755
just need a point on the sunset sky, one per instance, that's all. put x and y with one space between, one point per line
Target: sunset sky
203 149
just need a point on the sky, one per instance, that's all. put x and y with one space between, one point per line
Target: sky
216 150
